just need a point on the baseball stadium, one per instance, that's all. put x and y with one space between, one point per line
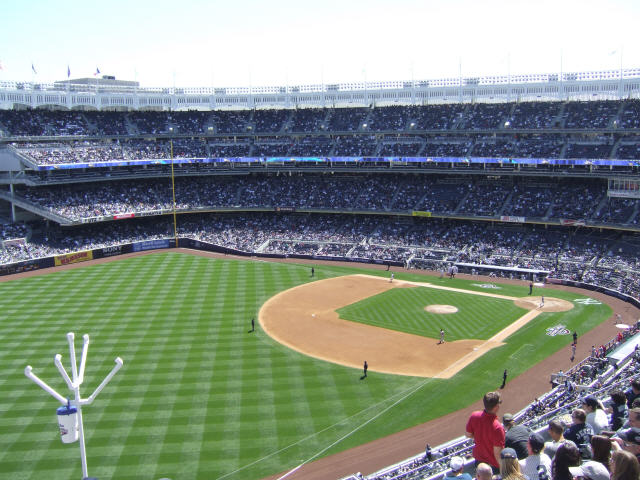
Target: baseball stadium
313 281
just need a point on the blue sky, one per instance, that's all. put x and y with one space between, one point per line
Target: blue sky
194 43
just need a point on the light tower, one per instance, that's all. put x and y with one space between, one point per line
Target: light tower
70 418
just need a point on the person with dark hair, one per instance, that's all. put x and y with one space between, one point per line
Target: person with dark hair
601 448
580 432
537 465
556 432
618 409
596 417
633 392
487 431
567 456
628 440
624 466
516 436
365 368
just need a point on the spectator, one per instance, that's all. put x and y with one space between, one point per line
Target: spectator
629 440
509 466
516 436
580 432
537 466
624 466
483 472
566 456
457 467
633 391
596 417
601 448
487 432
618 409
556 431
590 471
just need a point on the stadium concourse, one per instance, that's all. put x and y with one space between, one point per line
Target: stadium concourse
507 190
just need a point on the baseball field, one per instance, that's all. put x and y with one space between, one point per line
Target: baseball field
200 396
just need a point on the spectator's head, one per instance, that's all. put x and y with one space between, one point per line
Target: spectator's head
556 429
590 470
590 403
601 448
635 385
618 397
507 420
567 456
484 472
624 465
578 416
509 465
456 464
630 440
634 417
492 401
535 444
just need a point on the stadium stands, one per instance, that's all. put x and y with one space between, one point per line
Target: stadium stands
559 218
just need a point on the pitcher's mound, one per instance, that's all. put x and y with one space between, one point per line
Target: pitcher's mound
550 304
441 309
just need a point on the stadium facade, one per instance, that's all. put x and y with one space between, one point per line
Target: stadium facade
108 93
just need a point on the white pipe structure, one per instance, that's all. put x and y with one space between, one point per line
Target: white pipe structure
74 386
83 359
32 376
58 361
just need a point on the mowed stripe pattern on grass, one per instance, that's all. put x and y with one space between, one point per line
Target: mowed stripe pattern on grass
198 396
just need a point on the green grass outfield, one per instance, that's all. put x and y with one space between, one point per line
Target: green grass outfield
199 396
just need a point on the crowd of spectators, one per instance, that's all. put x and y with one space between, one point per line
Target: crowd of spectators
359 145
593 381
469 121
444 195
606 259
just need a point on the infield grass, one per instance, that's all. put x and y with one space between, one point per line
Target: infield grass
199 397
402 309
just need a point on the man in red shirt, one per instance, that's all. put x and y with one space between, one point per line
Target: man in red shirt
487 432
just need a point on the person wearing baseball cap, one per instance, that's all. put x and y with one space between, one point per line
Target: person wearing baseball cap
537 463
457 467
516 435
629 440
590 470
509 466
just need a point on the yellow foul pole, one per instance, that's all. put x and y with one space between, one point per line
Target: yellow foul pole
173 190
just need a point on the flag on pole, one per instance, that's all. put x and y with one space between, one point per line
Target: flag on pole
68 71
33 68
97 72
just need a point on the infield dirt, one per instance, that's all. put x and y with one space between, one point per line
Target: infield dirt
304 319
